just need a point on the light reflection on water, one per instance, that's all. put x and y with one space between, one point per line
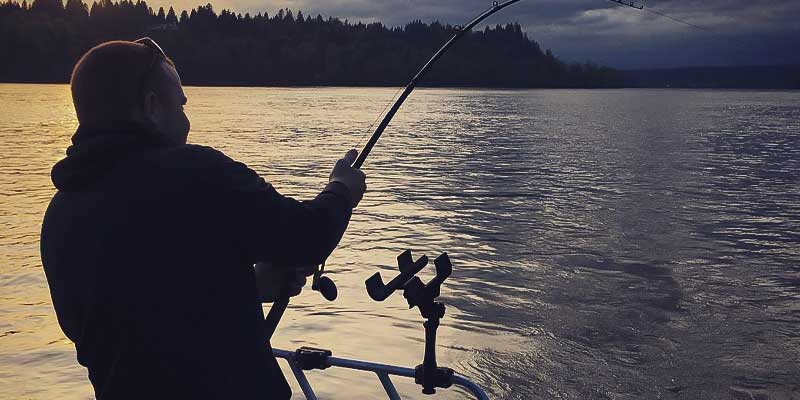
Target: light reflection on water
607 244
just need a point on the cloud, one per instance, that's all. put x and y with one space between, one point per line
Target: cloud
733 31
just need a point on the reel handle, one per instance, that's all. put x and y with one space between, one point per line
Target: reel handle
324 285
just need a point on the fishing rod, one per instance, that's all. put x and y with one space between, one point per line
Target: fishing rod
324 284
628 4
460 32
648 9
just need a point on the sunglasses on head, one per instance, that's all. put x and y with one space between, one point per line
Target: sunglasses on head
158 55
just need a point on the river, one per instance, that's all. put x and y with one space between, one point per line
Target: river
607 244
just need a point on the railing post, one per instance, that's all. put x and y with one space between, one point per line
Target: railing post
388 386
305 386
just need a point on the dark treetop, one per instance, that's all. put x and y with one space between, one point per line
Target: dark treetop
41 41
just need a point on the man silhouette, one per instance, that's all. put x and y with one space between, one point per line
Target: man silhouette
149 243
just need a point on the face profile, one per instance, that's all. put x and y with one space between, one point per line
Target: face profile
152 98
163 105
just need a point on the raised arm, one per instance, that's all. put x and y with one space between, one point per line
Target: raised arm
274 228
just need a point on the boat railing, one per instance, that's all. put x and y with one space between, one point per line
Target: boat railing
306 358
418 294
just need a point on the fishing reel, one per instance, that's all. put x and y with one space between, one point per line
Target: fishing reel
324 285
265 278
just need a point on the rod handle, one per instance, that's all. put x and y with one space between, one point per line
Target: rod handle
275 315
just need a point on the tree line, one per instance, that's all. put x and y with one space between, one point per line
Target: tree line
41 41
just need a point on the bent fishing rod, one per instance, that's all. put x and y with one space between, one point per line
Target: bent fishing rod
324 284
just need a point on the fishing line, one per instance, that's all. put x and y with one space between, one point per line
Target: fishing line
642 8
368 130
713 32
680 20
457 28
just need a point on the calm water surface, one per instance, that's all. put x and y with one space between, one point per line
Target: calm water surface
607 244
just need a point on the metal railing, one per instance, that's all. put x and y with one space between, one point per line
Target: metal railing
383 371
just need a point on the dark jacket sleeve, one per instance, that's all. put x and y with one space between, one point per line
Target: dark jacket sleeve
268 226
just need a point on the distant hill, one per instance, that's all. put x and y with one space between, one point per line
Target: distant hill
40 42
746 77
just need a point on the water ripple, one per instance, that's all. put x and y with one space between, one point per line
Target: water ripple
607 244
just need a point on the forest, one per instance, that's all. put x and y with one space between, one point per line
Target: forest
40 42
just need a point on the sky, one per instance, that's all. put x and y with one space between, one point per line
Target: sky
726 32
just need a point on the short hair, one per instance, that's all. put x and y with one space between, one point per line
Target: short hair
106 82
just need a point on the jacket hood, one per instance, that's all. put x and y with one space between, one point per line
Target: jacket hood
94 153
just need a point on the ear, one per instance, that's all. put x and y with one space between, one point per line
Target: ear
151 106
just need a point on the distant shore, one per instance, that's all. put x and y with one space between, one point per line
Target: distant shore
738 77
783 77
43 41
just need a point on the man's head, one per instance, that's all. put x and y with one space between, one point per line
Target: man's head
118 83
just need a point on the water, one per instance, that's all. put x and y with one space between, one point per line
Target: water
607 244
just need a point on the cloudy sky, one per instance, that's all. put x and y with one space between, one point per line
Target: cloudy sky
735 32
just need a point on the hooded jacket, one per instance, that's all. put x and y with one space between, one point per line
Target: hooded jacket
149 250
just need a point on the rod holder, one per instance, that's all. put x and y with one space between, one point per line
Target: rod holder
423 296
379 291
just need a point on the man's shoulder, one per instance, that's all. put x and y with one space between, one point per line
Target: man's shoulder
198 154
197 159
208 165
